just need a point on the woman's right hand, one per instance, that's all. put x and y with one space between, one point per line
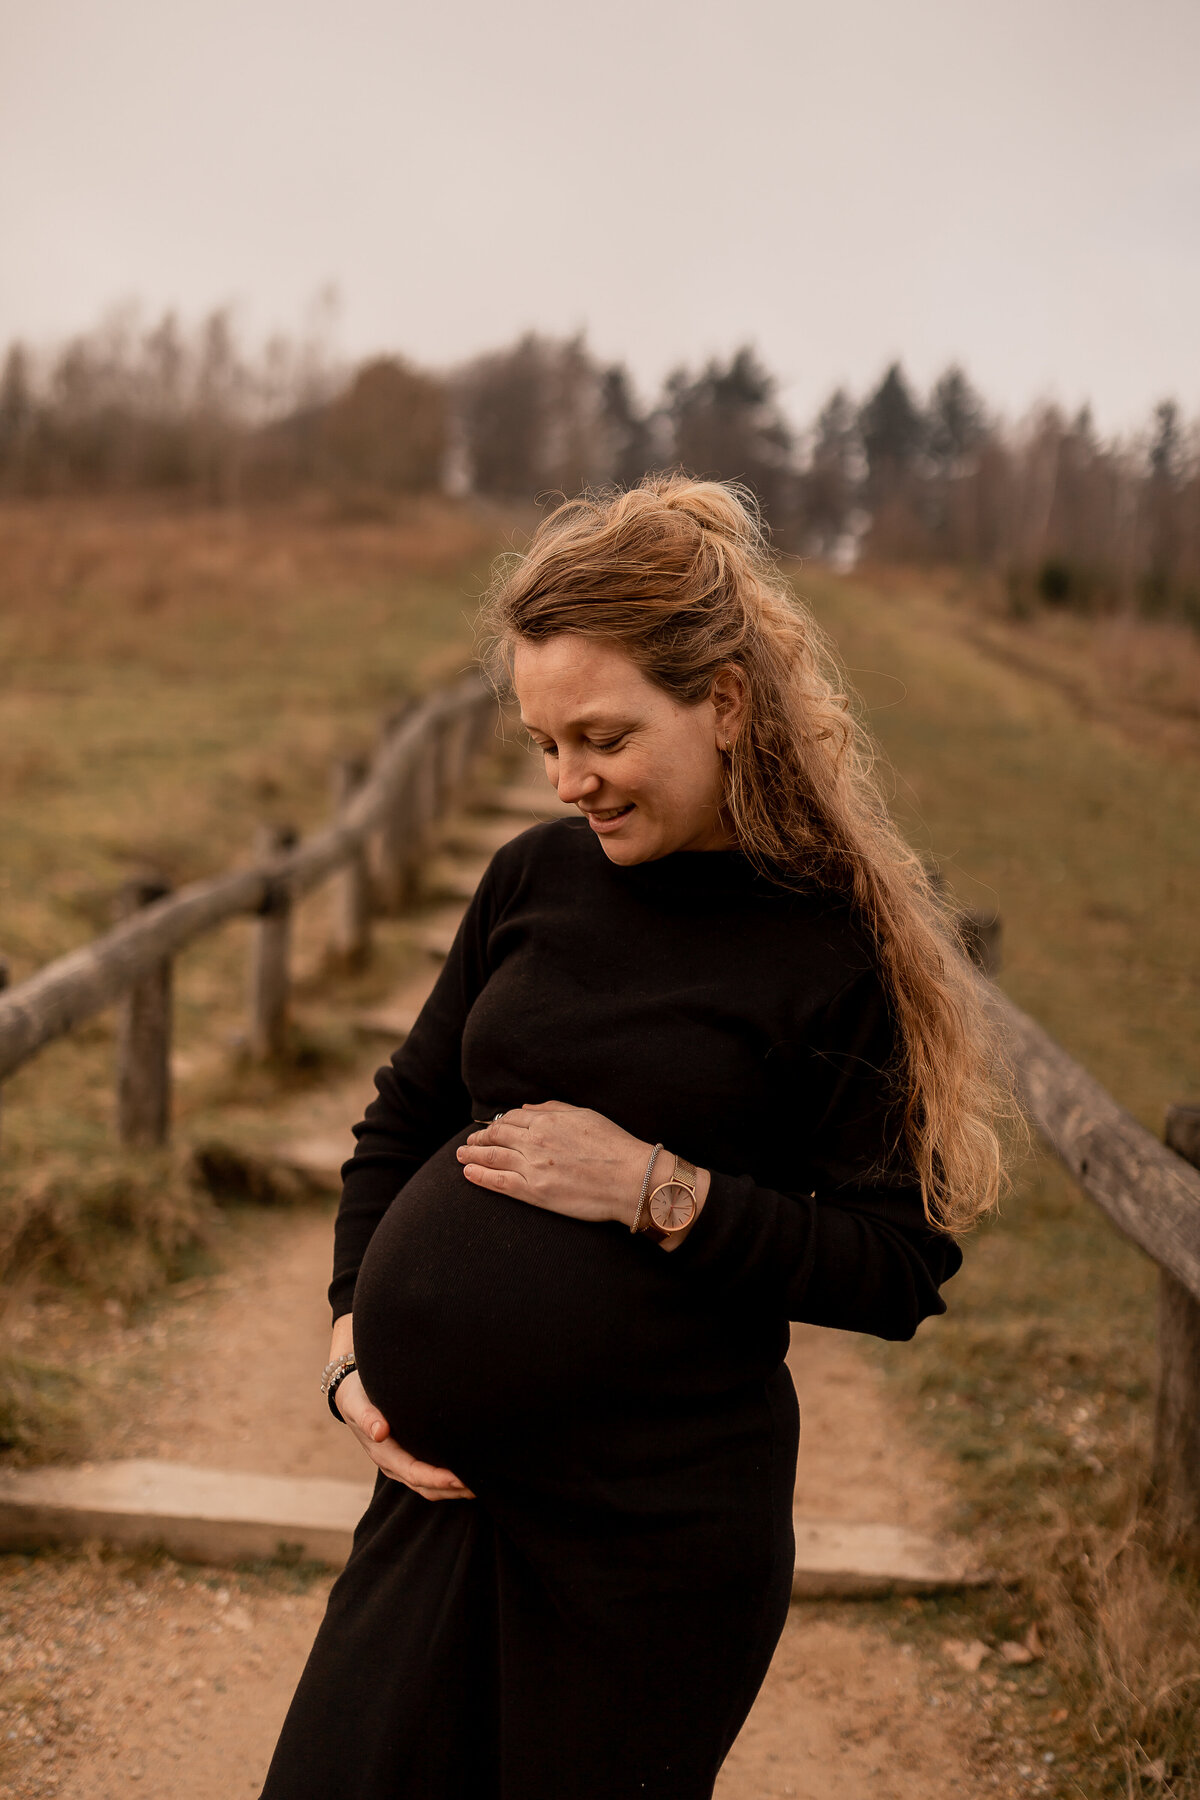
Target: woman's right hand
373 1433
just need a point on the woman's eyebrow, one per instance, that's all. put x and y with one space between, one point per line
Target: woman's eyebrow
588 722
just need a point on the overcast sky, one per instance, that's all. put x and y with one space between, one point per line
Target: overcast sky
1016 185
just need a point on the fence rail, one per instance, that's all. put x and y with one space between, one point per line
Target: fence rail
1150 1190
425 755
1146 1188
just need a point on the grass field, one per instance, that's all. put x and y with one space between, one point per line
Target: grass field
1082 827
168 680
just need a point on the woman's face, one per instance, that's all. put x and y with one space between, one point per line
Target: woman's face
643 769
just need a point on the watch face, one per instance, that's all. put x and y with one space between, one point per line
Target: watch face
672 1206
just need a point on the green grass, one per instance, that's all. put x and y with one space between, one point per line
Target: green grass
1039 1381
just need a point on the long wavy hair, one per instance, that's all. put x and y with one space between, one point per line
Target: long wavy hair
679 574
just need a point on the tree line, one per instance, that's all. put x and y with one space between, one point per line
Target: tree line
1064 517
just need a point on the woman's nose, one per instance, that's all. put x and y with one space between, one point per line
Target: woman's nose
575 780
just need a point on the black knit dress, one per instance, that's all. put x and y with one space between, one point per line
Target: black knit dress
597 1622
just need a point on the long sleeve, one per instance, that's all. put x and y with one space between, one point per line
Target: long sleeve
856 1251
420 1100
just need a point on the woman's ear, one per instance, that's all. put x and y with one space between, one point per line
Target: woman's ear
728 695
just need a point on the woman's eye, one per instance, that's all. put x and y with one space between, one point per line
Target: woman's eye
611 744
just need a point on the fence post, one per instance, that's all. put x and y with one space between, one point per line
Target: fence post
5 972
269 953
981 939
457 755
352 888
427 784
144 1036
484 716
1177 1409
394 846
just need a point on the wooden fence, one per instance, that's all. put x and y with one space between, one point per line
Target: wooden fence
371 850
1150 1190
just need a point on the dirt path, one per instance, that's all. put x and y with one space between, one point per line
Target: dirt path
156 1680
122 1677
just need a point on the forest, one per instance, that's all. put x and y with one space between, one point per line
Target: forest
1060 517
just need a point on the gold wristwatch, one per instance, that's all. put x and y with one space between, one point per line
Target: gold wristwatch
671 1206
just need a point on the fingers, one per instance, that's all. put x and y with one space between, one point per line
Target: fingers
423 1478
493 1166
508 1137
500 1181
426 1479
374 1433
373 1425
493 1156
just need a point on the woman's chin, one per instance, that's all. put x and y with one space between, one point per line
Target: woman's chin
628 847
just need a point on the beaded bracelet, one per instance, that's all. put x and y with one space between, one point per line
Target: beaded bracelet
637 1217
332 1378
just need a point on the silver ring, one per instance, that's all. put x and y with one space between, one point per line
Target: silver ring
496 1118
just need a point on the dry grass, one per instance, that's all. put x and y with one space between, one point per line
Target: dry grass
1139 676
1049 799
169 678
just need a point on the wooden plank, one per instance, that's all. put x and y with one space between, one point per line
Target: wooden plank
1150 1193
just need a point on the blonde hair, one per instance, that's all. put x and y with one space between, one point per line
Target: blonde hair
678 573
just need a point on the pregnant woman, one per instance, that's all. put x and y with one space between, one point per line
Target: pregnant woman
704 1059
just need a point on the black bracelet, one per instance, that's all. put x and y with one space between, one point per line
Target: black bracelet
334 1385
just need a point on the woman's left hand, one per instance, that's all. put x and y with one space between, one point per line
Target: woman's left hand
565 1159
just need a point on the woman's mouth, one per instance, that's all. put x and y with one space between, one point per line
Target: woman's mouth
609 818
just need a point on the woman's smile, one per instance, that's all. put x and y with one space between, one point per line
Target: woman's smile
607 819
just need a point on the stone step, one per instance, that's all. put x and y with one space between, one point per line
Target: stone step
212 1516
199 1515
527 802
454 875
841 1559
481 836
319 1156
436 931
394 1017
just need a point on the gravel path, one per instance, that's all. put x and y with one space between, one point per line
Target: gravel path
124 1677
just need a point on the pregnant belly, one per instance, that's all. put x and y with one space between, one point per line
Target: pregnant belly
480 1321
